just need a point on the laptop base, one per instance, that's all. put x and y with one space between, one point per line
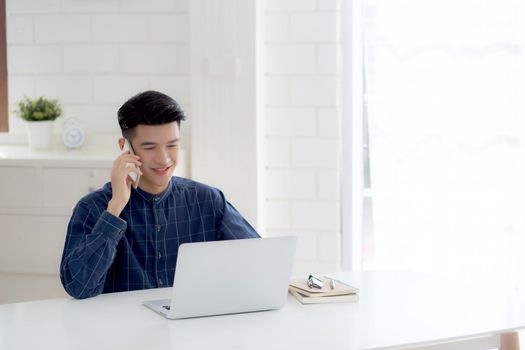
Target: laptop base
161 307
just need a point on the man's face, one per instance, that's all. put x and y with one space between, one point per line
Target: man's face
158 149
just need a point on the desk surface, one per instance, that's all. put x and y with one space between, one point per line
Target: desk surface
396 309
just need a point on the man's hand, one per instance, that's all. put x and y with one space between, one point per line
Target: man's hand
121 182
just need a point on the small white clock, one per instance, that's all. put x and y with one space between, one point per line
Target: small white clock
73 133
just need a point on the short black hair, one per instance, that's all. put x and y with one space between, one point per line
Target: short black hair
149 108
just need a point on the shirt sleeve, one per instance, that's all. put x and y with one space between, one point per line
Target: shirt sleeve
89 250
231 224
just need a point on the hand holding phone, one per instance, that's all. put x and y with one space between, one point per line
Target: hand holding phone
124 174
135 176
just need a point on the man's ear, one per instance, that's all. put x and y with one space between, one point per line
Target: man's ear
121 143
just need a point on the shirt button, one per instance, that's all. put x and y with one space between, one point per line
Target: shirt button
160 283
158 228
160 255
157 199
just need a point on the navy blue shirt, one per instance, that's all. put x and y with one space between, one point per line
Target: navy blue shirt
138 250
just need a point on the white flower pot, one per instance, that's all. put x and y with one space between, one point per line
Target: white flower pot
39 133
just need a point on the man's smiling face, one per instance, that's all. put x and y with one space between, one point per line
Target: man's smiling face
158 149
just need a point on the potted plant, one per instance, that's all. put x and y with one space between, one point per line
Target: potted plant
39 115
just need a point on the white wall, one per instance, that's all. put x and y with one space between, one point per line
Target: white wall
224 79
302 128
93 55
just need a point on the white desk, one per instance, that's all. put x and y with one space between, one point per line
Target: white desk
396 310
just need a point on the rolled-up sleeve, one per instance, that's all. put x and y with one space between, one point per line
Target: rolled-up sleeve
89 250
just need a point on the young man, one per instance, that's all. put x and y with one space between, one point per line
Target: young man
120 238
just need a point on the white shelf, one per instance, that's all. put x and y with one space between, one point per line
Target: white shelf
25 156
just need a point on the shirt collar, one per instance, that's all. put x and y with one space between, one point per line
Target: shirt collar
156 198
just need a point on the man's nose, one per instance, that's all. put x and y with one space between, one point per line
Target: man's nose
162 156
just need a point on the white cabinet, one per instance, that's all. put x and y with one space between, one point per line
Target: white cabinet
37 193
32 244
17 186
76 181
47 188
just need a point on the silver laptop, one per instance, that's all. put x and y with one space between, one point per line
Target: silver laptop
226 277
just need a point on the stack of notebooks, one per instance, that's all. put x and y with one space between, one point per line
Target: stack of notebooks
332 292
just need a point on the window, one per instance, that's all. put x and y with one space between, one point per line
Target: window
444 85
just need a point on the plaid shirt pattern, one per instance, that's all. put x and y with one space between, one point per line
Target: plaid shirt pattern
138 250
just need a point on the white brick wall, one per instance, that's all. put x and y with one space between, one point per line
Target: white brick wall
291 121
68 88
91 6
149 58
120 28
314 27
62 29
313 90
102 116
278 215
20 29
20 86
277 28
278 152
314 215
327 185
169 28
152 5
326 56
92 55
21 59
290 6
327 122
302 147
314 153
32 6
286 184
91 59
290 59
115 89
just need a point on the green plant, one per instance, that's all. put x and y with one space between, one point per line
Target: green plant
39 109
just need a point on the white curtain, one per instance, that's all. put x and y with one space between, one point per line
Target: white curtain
445 99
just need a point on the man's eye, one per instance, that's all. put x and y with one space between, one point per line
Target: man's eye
173 146
148 149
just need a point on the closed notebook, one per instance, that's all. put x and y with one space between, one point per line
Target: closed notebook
340 288
347 298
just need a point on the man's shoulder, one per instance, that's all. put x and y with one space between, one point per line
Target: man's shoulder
98 198
184 184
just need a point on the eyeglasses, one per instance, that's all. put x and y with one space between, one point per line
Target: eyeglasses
314 282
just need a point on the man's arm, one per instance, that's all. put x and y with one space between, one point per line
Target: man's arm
93 234
89 251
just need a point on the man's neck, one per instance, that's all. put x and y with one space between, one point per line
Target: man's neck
152 189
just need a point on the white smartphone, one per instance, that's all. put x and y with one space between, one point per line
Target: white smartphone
135 177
